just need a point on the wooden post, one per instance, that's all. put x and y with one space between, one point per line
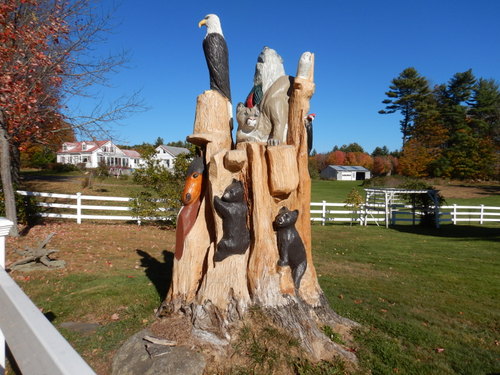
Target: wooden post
323 214
78 208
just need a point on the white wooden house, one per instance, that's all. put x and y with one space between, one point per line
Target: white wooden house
91 153
168 154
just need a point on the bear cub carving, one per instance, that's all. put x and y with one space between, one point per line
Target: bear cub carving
232 208
291 248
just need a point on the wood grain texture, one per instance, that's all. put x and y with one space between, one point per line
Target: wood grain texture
283 171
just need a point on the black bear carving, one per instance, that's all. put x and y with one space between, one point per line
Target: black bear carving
291 248
232 208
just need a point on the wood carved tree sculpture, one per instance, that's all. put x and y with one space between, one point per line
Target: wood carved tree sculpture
250 243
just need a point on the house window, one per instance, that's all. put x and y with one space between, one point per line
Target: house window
168 163
84 146
85 159
65 147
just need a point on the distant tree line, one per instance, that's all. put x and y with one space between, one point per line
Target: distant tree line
451 130
380 162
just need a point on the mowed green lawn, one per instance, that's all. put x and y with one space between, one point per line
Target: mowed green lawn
427 299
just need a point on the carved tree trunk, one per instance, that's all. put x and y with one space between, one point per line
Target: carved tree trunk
216 294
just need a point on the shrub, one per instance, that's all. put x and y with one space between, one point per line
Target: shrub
163 187
62 168
102 170
27 210
422 202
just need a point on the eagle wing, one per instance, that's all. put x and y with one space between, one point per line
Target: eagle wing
216 55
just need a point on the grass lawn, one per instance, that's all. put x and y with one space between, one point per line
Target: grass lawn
427 299
116 276
74 182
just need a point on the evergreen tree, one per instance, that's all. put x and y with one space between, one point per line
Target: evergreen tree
409 94
352 147
159 141
462 154
485 124
380 151
485 110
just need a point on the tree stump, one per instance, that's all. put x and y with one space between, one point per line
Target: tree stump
215 295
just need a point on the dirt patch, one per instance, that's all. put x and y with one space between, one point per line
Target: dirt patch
176 328
463 191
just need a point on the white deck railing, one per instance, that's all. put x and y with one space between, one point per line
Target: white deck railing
35 344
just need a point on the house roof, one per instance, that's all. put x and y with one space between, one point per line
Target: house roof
131 153
174 151
77 147
348 168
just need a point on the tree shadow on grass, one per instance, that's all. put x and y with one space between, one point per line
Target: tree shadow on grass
160 273
467 232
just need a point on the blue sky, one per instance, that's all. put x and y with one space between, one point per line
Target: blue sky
359 46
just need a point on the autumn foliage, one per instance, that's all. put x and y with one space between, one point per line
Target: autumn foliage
378 165
31 69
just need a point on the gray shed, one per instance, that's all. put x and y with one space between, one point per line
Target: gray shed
345 173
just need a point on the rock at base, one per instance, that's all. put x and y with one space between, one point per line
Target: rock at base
133 359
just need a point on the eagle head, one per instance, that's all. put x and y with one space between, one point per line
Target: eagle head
212 22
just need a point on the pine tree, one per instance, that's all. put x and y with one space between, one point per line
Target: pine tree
380 151
463 155
409 94
485 109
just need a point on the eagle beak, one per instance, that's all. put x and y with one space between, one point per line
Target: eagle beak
202 22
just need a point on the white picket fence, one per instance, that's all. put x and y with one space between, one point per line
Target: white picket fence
35 344
325 212
322 212
75 202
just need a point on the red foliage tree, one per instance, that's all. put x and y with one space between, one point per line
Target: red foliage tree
44 48
30 80
336 158
416 159
31 71
382 166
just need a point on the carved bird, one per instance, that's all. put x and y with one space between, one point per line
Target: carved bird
191 200
216 55
309 130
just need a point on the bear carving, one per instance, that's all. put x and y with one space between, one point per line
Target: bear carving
291 248
232 208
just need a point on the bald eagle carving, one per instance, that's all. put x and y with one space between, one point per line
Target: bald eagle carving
216 55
